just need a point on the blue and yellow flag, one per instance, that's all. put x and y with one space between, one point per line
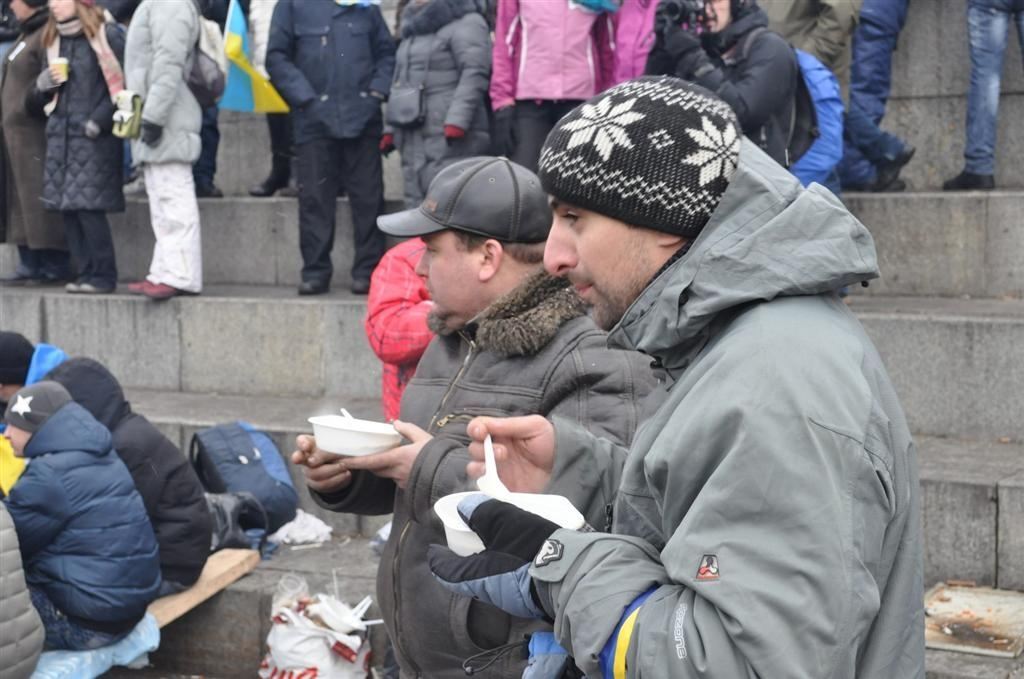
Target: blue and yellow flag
246 89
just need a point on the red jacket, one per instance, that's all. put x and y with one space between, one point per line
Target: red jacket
396 319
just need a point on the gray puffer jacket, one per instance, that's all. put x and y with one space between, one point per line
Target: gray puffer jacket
158 52
533 351
446 47
770 506
21 631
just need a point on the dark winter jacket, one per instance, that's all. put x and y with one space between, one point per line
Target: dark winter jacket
9 29
753 69
452 39
24 141
121 10
168 485
82 173
533 351
85 538
326 59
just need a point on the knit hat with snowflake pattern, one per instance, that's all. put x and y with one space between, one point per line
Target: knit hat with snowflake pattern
656 152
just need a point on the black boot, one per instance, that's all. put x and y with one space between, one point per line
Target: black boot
968 181
280 128
280 174
888 171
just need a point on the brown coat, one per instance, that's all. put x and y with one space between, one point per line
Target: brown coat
823 28
24 140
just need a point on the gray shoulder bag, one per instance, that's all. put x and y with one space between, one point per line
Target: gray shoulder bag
407 105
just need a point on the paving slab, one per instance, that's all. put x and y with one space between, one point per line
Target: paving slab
962 515
949 665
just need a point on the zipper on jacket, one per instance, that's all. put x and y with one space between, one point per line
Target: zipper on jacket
397 641
451 417
455 381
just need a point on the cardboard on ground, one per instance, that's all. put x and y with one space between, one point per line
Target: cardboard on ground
978 620
222 568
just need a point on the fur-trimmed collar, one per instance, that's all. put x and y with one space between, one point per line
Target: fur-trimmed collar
525 320
433 15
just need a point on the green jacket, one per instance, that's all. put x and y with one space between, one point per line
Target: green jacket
780 450
823 28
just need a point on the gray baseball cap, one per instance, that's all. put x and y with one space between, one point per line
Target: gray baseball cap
486 196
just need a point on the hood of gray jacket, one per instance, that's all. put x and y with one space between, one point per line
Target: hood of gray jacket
768 238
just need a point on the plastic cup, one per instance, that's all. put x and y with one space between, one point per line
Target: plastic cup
353 437
63 67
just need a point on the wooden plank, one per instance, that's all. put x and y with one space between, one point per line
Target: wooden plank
222 568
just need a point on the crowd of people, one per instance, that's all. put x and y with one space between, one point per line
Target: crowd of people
461 78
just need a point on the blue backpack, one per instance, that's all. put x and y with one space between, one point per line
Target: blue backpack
816 129
236 457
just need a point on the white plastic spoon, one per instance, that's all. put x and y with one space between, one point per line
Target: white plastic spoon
489 483
347 414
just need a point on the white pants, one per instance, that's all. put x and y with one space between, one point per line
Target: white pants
174 213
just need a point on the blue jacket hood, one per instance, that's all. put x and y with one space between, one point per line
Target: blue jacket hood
45 358
71 428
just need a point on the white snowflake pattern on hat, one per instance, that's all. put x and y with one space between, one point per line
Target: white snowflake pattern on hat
604 126
718 148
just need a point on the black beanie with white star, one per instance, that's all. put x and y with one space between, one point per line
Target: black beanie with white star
34 404
656 152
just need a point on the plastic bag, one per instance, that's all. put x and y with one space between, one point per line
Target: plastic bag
316 638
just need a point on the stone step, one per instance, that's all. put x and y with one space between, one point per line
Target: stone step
180 414
249 340
245 240
950 665
945 244
958 365
972 509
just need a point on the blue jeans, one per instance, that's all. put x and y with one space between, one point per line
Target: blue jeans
64 635
45 263
988 25
865 143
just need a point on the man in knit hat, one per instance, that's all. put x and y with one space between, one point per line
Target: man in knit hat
90 556
767 521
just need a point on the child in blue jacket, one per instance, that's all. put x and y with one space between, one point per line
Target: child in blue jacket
89 553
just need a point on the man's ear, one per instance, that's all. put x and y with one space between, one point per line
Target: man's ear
492 254
669 241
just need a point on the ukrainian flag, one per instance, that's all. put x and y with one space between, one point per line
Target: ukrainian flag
246 89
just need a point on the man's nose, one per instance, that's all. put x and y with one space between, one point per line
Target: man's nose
559 254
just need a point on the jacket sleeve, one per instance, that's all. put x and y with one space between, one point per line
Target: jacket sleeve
284 74
471 49
103 115
503 54
832 32
794 513
383 54
368 494
763 83
174 38
397 308
38 506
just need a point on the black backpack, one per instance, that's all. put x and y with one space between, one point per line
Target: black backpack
232 514
235 457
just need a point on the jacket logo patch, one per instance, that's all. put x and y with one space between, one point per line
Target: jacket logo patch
430 204
708 569
549 553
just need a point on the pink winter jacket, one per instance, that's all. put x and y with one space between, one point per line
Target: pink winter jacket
634 38
550 50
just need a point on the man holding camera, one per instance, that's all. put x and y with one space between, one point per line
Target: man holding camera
725 46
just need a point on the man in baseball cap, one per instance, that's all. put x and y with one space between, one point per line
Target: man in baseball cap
510 339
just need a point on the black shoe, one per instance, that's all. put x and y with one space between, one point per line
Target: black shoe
888 171
311 288
360 286
895 186
269 186
968 181
208 191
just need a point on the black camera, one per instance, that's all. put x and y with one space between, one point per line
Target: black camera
689 13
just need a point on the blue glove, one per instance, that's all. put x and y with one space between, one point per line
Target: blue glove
500 574
548 659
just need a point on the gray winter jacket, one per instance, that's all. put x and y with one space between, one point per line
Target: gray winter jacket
452 39
161 38
780 458
533 351
21 631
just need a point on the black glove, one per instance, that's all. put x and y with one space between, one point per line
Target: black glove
684 49
151 133
503 143
500 574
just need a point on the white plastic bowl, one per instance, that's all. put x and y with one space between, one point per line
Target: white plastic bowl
353 437
463 541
